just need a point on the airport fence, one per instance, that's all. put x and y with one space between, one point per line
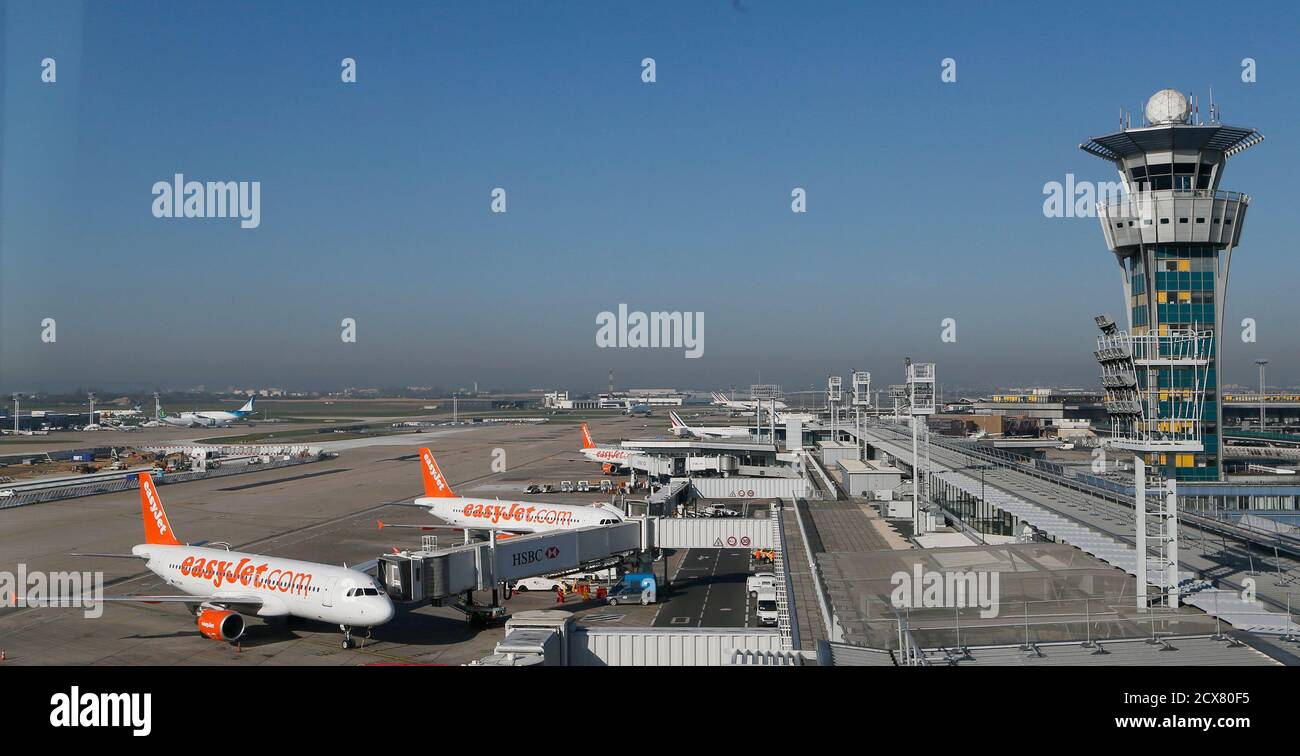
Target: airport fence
132 481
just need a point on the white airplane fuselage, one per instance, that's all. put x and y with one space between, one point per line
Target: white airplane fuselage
203 419
719 431
608 455
287 587
515 516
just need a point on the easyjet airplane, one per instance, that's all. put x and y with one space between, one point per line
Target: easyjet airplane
611 457
219 586
505 517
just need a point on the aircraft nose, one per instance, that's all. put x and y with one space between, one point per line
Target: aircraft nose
386 610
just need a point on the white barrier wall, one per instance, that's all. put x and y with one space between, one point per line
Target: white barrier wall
750 488
667 647
714 533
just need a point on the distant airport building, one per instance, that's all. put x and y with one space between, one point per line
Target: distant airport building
1241 407
1043 403
634 397
1172 234
561 400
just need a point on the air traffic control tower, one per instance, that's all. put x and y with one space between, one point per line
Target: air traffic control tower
1172 233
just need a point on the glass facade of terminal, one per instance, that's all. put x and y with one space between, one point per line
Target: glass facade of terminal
1181 296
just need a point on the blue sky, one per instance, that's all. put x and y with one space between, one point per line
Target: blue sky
924 198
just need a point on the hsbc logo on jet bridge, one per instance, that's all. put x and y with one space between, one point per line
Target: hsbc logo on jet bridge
536 556
525 558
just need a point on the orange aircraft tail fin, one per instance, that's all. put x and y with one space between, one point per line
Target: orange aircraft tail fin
157 529
435 485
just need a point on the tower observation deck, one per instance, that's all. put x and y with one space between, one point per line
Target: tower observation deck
1172 233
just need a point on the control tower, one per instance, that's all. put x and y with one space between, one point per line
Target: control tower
1172 233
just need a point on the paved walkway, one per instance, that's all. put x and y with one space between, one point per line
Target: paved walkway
844 526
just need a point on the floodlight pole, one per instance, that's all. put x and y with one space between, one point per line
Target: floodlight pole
1261 364
1140 509
858 438
1171 541
916 476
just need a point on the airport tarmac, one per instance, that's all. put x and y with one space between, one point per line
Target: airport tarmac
709 590
327 512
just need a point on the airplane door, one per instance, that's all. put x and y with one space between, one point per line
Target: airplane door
329 591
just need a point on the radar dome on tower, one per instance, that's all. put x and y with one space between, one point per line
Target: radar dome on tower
1167 106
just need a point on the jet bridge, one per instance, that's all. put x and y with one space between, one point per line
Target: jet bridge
449 576
439 574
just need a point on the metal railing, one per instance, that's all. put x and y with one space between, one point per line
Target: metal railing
1082 620
823 485
1113 492
1151 196
786 620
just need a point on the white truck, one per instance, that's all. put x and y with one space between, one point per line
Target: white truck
759 582
767 607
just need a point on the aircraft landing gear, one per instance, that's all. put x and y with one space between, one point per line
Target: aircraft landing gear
347 636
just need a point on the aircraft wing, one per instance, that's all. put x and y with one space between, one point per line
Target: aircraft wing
367 567
249 604
108 556
383 525
246 602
